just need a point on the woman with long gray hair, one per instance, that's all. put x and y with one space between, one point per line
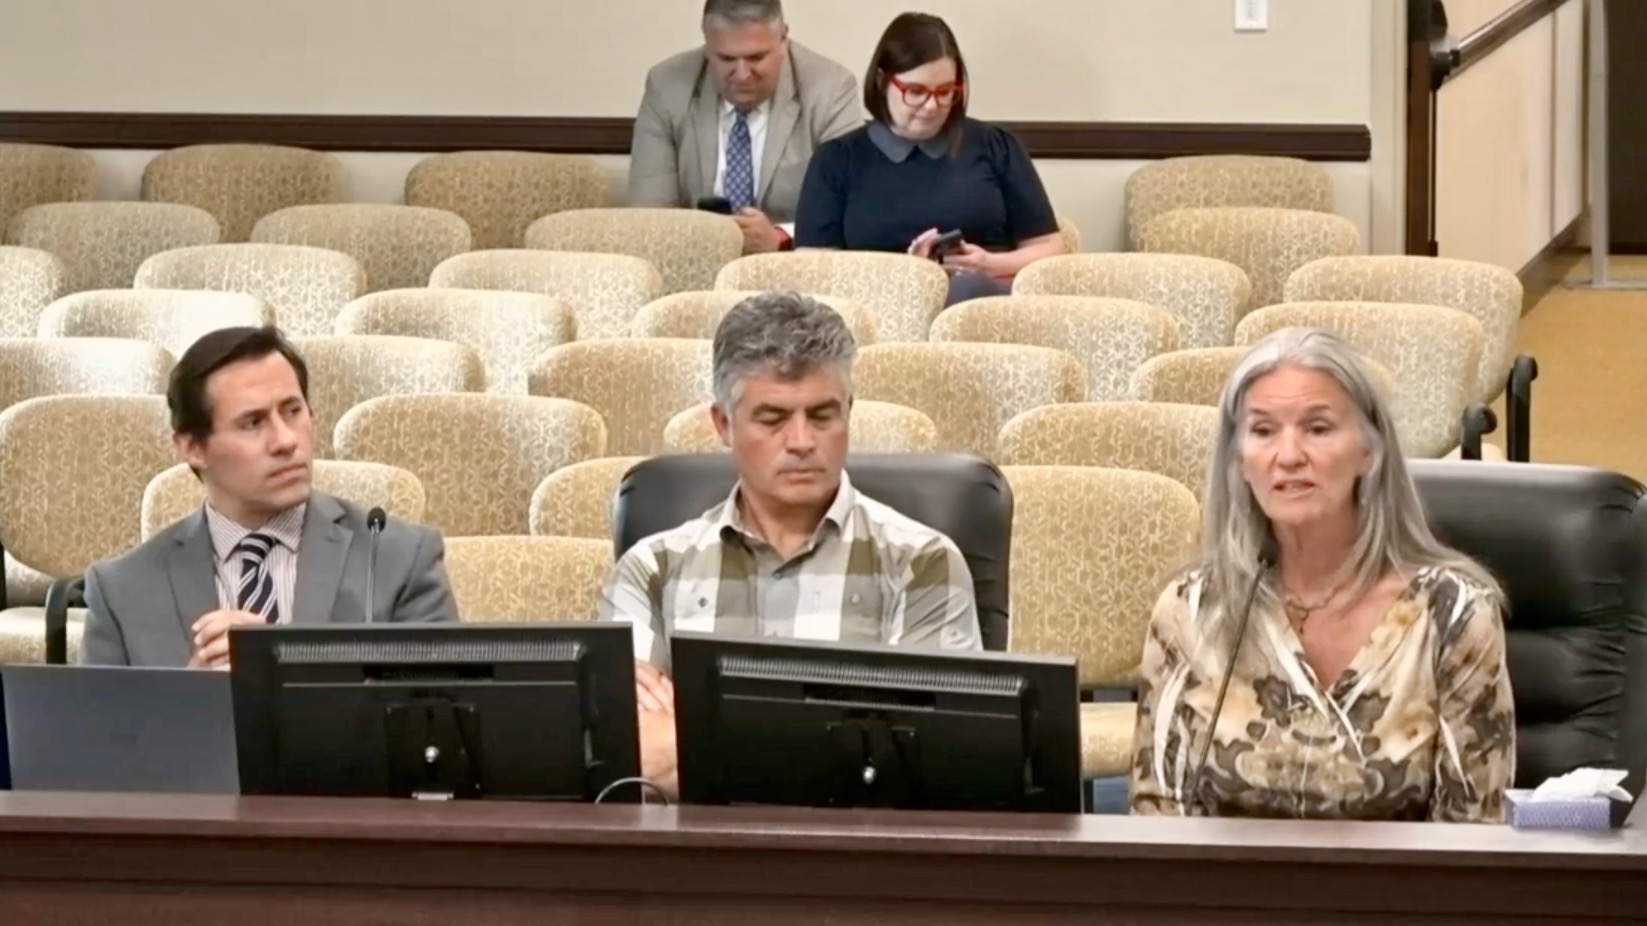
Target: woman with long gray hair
1368 677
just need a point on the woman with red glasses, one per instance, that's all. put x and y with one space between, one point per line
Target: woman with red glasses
921 169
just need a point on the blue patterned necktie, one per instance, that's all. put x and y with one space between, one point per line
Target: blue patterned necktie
256 592
740 165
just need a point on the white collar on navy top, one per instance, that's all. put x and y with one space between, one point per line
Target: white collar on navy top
899 149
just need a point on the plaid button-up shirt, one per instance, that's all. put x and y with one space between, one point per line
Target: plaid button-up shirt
868 575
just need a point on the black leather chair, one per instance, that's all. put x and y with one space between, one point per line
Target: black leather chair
1569 546
964 497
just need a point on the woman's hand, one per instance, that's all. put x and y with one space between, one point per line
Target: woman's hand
922 245
969 256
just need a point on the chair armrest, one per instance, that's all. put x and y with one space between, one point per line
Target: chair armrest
60 597
1518 403
1478 420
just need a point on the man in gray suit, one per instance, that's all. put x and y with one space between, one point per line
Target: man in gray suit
266 548
739 119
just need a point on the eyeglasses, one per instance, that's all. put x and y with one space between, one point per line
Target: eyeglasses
917 94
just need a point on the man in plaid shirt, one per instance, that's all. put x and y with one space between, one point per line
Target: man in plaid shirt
794 551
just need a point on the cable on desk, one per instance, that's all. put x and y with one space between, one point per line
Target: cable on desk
644 786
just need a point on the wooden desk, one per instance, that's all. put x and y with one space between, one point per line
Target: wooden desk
100 859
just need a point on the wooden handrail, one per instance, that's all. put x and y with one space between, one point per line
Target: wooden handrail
1475 47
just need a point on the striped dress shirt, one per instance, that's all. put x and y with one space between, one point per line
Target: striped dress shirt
868 575
287 530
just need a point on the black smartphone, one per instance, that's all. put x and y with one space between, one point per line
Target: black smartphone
715 204
945 244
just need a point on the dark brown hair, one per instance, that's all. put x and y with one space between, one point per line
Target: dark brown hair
914 39
186 396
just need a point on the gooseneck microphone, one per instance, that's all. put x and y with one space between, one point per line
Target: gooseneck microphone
375 519
1266 559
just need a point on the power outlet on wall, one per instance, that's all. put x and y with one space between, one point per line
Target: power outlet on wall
1252 15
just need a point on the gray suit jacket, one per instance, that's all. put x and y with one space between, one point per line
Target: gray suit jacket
676 147
141 605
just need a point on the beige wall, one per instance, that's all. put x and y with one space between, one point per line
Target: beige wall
1124 60
1509 146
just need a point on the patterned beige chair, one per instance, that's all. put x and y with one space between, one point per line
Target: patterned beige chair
1207 295
177 493
1071 233
1175 441
698 315
1492 294
1110 337
688 246
1269 244
1186 377
604 290
968 390
637 385
397 245
1205 181
527 578
1091 550
72 473
239 184
35 367
577 500
508 330
479 457
35 174
501 193
1433 352
171 318
905 293
877 427
30 280
346 370
306 286
102 244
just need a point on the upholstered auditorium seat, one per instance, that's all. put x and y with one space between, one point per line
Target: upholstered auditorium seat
1433 353
576 500
508 330
1110 337
480 457
968 390
346 370
171 318
500 193
1569 545
177 493
698 313
305 286
30 280
905 293
688 246
101 244
527 578
1171 440
605 291
1269 244
239 184
35 174
965 498
397 245
636 384
1200 181
1208 295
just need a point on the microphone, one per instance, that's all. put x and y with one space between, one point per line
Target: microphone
1266 559
375 519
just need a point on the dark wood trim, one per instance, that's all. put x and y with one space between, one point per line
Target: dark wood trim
611 135
1420 149
1550 266
1476 46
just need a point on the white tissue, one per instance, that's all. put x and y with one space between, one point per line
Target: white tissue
1585 782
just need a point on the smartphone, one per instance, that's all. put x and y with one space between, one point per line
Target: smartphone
945 244
715 204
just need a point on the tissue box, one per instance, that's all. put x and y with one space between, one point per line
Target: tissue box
1566 813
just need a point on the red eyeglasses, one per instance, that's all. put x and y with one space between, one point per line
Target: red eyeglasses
917 94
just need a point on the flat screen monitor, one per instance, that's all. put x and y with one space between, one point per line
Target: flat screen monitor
760 721
436 711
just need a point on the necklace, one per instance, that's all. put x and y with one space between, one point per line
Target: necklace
1299 611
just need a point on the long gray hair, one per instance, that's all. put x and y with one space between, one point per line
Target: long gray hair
1391 530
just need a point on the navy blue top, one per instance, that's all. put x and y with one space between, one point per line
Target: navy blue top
870 190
